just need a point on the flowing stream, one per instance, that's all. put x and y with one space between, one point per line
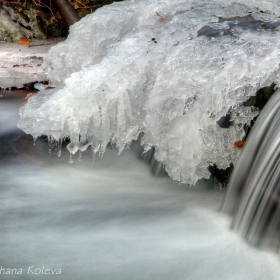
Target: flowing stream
253 193
111 219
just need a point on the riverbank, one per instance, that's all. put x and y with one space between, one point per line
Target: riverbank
22 64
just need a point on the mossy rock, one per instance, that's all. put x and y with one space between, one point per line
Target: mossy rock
11 31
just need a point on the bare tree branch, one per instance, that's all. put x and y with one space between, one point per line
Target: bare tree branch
67 12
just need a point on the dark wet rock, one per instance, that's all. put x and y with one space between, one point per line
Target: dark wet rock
212 32
246 22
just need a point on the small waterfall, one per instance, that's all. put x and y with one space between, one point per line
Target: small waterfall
253 195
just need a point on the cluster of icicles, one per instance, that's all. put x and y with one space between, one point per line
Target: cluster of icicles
79 146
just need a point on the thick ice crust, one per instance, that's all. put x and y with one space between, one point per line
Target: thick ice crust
170 69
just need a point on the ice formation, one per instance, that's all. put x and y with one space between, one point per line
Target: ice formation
168 68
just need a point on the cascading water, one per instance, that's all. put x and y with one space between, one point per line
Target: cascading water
253 195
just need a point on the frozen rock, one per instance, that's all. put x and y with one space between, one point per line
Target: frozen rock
22 64
169 69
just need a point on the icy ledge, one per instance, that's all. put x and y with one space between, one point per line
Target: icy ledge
170 69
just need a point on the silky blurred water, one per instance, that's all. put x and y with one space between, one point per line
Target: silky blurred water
111 219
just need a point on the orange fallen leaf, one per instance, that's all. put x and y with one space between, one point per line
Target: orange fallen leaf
239 144
160 17
23 41
28 95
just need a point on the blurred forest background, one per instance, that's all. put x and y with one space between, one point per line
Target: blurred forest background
40 18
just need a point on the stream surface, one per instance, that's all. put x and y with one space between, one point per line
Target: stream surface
111 219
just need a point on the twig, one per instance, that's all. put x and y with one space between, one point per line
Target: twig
8 3
52 43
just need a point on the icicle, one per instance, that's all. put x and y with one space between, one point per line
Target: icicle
59 144
71 158
80 155
2 92
34 139
73 146
93 156
83 142
49 141
127 146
